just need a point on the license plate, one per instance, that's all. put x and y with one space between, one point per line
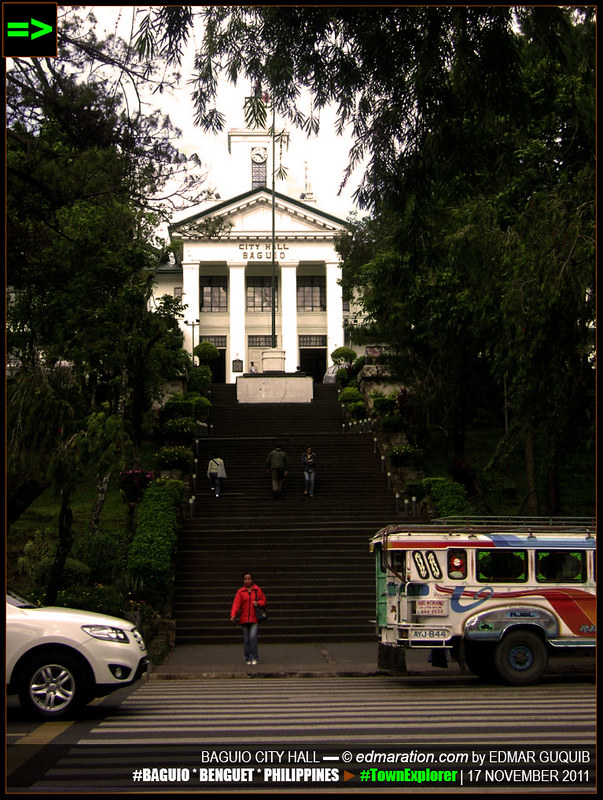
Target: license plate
428 634
432 608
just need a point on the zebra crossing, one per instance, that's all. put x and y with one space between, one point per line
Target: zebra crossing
375 709
171 724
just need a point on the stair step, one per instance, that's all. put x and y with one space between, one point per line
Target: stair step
310 555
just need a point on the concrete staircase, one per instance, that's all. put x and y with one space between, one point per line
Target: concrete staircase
310 555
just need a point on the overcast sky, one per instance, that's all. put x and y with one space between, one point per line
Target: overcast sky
325 155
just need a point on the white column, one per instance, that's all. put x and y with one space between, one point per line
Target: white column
334 309
236 302
190 299
289 316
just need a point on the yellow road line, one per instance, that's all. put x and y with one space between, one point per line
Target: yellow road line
36 740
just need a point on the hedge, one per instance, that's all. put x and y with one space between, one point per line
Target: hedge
449 497
152 550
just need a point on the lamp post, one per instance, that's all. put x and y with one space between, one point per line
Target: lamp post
192 325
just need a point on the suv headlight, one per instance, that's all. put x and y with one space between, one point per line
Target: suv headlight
106 632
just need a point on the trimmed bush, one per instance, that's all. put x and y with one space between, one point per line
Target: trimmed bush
357 410
349 395
151 553
384 405
174 458
406 455
206 352
343 355
181 429
190 405
449 497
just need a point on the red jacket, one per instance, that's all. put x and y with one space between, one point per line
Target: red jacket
243 603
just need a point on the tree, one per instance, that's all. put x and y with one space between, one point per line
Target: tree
476 124
82 251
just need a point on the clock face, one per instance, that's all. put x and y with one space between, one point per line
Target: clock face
258 154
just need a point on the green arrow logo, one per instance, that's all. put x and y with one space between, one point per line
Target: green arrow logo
22 29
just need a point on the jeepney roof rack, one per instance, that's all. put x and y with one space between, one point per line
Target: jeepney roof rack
527 522
474 526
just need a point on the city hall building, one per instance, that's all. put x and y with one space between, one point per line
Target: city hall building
225 270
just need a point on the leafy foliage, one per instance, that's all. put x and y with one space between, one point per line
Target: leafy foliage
449 497
150 557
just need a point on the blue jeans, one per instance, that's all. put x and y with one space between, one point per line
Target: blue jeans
309 476
250 640
216 482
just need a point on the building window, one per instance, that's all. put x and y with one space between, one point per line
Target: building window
217 341
213 294
259 293
177 291
259 341
311 293
312 341
258 175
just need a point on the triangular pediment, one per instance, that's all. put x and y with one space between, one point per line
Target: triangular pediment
251 214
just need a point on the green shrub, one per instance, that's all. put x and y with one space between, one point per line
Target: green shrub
357 410
406 455
343 377
180 429
343 355
103 551
38 557
175 457
449 497
383 405
391 424
349 395
206 352
358 364
95 597
200 380
151 553
191 405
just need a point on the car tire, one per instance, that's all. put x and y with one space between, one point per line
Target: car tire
520 658
53 685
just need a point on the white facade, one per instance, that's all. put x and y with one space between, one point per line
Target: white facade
226 272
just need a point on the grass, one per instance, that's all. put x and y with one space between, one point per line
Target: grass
43 514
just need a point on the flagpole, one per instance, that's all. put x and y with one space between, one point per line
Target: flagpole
273 234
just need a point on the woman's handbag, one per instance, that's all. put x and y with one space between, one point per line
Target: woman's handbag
261 612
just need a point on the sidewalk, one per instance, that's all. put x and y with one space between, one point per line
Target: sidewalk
276 660
337 659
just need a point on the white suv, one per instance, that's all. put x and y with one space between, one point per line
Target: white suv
58 659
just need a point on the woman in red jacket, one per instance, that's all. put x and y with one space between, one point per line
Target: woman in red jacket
246 600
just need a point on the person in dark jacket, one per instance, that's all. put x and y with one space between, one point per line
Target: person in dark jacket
244 606
309 466
276 464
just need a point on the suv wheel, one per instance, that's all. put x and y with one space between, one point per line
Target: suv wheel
53 685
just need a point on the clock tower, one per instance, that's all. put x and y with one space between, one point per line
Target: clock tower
251 155
259 159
